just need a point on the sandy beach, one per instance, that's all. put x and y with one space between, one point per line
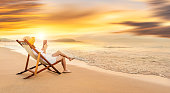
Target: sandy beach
132 60
81 80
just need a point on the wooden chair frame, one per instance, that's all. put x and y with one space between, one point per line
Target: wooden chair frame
37 64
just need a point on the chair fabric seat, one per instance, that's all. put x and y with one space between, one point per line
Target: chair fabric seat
47 56
33 54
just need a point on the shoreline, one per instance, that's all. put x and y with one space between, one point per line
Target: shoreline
144 61
146 78
81 80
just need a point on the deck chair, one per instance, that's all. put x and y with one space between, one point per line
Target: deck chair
41 60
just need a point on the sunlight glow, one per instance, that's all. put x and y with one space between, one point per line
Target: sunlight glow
40 36
166 24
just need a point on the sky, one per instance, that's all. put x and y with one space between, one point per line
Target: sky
85 19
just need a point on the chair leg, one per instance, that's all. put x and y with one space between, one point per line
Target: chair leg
38 58
21 72
37 73
55 69
27 70
48 68
27 62
29 76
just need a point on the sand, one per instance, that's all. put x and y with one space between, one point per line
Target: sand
81 80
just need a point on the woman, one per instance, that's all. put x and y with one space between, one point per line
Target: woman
58 56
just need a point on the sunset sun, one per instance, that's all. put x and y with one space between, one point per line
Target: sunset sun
40 36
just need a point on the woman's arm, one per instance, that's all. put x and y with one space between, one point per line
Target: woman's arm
44 49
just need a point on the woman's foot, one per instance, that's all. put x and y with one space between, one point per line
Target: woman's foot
70 59
66 71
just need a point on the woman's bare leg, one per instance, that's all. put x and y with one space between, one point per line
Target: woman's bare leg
62 54
63 62
59 53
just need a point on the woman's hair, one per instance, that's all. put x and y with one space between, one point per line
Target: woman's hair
44 42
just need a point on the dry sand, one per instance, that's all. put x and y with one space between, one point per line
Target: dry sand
81 80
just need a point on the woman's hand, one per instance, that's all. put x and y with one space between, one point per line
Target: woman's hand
44 48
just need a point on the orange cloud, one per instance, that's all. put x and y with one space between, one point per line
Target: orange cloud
147 28
15 13
26 15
